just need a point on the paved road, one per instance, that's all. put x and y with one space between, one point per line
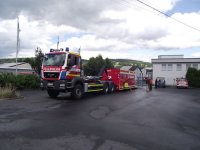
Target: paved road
164 119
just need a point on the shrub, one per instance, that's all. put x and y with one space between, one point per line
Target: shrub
19 81
27 81
193 77
32 81
7 78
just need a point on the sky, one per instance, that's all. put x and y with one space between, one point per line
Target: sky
115 29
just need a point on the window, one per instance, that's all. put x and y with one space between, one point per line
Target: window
54 59
77 61
195 66
164 66
188 66
73 60
169 67
178 67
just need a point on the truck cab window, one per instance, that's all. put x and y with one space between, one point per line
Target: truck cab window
70 61
77 61
73 60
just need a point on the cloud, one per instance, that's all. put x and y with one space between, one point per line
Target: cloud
196 54
77 13
113 28
32 35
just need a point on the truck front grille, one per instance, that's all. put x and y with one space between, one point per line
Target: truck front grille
51 74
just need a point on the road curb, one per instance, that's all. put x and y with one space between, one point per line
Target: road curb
18 98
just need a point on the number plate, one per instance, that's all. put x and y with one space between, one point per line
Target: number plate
50 84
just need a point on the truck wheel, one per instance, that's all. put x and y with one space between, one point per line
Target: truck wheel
105 88
111 88
52 93
77 92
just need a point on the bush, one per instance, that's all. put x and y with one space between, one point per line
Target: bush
7 78
193 77
27 81
19 81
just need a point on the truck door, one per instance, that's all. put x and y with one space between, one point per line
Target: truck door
73 66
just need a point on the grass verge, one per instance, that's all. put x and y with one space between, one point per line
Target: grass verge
8 92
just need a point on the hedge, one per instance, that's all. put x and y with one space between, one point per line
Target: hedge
193 77
19 81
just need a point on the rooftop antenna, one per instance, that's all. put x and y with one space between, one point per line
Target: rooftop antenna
79 50
58 43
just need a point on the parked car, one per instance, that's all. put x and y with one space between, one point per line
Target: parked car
160 82
181 83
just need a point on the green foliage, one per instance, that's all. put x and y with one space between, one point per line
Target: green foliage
7 78
27 81
38 60
94 65
193 77
126 62
31 61
129 62
19 81
108 63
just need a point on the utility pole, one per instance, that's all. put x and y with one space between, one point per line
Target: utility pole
17 49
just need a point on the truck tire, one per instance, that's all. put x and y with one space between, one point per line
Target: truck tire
111 88
77 91
105 88
52 93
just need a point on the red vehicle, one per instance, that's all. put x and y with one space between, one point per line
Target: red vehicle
181 83
121 79
61 72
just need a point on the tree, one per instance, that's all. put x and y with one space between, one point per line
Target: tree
193 77
31 61
108 63
38 60
94 65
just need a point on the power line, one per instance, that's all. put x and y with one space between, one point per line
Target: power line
127 4
167 15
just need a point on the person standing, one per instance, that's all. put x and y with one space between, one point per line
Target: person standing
150 84
147 84
156 83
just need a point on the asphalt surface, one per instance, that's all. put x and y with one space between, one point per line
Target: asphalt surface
164 119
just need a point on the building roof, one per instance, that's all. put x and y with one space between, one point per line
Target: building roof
148 68
176 60
131 68
126 67
170 56
20 65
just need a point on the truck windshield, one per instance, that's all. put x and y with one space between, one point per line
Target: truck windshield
54 59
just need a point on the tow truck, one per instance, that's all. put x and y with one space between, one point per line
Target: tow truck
62 72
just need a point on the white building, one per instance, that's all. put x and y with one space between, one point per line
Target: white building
22 67
147 72
173 66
